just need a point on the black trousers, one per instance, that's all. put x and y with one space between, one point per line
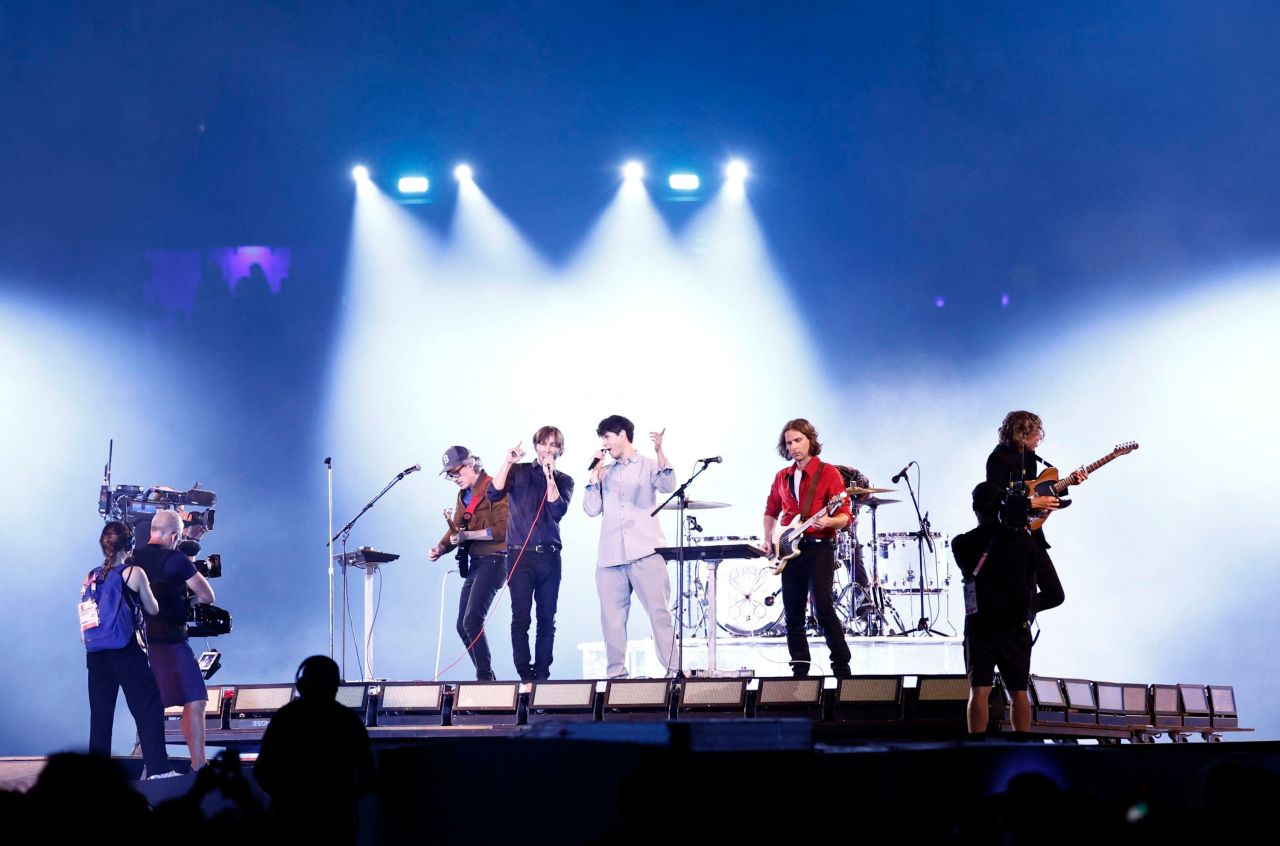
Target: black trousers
484 579
535 578
813 570
126 668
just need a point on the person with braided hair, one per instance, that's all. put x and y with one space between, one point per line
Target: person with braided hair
111 599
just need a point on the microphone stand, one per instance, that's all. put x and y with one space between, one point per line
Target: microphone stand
344 533
924 539
328 464
679 494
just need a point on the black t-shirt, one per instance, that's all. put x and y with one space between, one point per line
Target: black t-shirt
168 571
1007 580
315 754
1008 464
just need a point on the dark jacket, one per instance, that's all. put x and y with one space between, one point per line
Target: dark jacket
488 515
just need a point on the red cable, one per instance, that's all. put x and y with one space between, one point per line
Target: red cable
501 591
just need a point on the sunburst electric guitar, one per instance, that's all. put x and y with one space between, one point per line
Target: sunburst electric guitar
1048 483
786 539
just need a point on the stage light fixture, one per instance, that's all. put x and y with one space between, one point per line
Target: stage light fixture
790 696
633 170
1222 699
1048 704
360 173
736 170
254 705
1082 703
870 698
212 716
1163 702
703 698
637 699
1195 705
463 173
562 700
684 182
411 704
486 703
413 185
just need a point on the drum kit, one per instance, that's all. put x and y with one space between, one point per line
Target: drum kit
749 594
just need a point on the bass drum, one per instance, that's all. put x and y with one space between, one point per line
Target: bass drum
748 598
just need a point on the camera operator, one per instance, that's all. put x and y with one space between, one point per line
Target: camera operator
1002 564
172 574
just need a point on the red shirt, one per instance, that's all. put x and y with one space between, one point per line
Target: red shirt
782 502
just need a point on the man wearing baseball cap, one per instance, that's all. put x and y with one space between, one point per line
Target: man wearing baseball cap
478 529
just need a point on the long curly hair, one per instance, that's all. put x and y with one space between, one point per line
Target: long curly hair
1018 426
805 428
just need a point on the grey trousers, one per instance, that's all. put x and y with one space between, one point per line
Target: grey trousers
648 578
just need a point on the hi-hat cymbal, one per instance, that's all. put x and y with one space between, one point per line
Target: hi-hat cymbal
857 491
876 502
693 505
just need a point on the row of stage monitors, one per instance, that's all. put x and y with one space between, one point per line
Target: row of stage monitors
862 699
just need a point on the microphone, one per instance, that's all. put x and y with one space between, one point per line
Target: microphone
898 478
715 459
328 462
414 469
595 461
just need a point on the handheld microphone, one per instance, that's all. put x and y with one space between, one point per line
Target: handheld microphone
328 462
715 459
414 469
595 461
898 478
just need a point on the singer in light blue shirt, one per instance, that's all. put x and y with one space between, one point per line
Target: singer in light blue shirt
624 492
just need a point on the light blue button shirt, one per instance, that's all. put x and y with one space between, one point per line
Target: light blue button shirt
631 489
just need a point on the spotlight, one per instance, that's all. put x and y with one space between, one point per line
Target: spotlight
684 181
736 170
413 185
633 170
463 173
360 173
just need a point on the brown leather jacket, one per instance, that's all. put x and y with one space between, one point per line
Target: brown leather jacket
488 515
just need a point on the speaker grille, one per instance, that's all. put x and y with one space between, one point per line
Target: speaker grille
636 693
486 697
789 692
397 697
568 695
869 690
726 692
263 698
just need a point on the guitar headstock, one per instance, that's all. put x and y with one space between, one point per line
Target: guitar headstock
833 504
1126 447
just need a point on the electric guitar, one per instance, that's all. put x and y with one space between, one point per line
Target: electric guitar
786 539
1048 483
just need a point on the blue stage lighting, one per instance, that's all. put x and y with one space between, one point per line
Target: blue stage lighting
684 181
633 170
463 173
736 170
360 173
413 185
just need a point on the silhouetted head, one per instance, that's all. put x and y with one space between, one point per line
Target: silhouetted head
318 678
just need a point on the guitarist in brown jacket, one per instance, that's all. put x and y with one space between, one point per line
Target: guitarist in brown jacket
478 529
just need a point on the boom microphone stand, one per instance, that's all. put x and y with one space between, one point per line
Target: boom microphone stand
328 464
678 494
923 539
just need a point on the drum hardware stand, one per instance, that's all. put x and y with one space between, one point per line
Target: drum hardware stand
679 495
924 538
345 533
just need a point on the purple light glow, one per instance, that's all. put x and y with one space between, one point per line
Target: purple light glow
175 276
236 262
1004 300
940 301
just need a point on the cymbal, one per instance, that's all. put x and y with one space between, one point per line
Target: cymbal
876 502
854 490
693 505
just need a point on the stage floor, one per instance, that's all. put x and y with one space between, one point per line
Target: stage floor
767 656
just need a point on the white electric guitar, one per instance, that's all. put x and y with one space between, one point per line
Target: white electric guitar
786 539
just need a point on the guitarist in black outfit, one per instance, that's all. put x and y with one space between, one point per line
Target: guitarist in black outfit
1014 460
803 489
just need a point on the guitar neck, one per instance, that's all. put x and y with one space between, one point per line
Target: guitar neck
1061 485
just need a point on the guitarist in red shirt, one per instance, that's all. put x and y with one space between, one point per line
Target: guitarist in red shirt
803 489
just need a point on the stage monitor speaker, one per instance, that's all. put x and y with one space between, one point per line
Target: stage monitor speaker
941 697
1196 712
410 704
711 697
636 699
1163 702
1222 700
871 698
562 701
789 697
213 716
486 704
254 705
1082 702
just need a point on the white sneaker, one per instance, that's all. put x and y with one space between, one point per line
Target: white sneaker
170 774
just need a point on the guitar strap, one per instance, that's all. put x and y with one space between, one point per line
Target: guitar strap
475 500
809 494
